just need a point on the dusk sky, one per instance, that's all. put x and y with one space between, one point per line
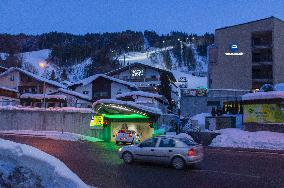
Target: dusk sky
162 16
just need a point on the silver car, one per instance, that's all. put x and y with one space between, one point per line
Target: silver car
176 151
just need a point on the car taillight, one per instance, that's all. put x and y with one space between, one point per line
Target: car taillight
130 135
116 134
191 152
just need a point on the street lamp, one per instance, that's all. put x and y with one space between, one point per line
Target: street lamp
43 65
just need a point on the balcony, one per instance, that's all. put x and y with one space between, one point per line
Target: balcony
261 40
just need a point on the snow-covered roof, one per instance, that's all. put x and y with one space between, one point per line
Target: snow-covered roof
263 95
139 93
39 78
56 109
9 89
147 109
73 93
90 79
41 96
170 74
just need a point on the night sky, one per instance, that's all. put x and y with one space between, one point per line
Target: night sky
163 16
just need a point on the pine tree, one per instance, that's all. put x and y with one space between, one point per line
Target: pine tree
63 75
167 59
53 75
165 89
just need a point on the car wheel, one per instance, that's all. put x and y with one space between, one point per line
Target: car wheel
178 163
127 157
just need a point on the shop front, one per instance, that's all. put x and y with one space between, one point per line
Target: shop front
111 116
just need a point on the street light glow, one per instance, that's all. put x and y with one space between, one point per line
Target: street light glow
42 65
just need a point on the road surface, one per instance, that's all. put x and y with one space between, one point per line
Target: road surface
97 164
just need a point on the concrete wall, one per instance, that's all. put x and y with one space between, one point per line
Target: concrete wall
75 122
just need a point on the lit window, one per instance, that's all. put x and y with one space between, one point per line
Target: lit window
86 92
12 78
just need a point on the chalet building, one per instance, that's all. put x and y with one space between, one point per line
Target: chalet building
101 86
145 98
37 100
73 98
146 77
247 56
26 82
8 96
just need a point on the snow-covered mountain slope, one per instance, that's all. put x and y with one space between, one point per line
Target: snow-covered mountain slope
31 61
154 58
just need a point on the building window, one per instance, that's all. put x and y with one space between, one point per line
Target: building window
86 92
12 78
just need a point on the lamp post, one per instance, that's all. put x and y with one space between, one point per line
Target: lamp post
43 65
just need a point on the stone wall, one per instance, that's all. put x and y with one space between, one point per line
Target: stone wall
45 120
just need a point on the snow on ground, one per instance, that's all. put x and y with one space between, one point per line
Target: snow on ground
36 57
56 109
33 168
193 82
55 135
76 72
237 138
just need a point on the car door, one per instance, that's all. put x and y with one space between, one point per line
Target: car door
146 150
164 150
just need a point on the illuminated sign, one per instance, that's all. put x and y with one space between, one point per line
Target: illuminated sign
234 50
137 72
97 121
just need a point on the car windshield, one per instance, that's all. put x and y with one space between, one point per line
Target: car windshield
188 142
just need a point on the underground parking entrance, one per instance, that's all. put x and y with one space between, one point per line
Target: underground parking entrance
113 116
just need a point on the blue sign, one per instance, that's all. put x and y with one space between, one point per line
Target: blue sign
234 48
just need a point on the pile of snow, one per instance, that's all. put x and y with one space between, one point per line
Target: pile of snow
243 139
49 171
56 109
54 135
264 95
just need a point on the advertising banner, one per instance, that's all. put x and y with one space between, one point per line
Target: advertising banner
263 113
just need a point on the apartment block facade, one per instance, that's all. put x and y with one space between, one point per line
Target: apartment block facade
247 55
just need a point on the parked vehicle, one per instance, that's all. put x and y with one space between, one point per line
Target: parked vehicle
169 149
126 136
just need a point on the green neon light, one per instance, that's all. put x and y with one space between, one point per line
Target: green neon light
124 116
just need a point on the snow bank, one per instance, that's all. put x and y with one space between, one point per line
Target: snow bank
264 95
8 89
57 109
55 135
52 172
242 139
